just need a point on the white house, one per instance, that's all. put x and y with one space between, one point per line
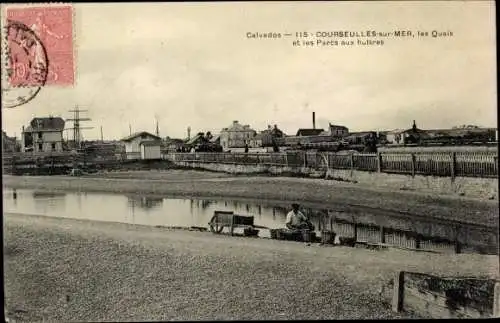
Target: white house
395 136
236 136
150 149
43 135
133 143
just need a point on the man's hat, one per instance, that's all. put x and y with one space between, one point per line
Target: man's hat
295 206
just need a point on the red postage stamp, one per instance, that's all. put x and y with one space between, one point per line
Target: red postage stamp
51 43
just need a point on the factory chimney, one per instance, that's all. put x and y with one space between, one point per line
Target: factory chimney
314 120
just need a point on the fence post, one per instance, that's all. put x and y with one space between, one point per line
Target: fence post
496 300
453 165
351 161
413 164
382 234
286 159
398 292
495 165
379 162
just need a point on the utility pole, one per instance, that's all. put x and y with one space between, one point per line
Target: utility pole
102 140
157 129
129 129
77 126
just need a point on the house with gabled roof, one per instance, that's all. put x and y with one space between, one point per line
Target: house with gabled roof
43 135
142 145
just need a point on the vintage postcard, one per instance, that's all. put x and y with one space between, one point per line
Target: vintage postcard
249 160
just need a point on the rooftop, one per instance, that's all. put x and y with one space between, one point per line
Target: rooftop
139 134
309 132
45 124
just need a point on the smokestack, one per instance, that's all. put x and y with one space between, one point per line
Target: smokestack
314 120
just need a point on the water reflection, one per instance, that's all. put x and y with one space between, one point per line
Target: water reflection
143 202
48 200
148 210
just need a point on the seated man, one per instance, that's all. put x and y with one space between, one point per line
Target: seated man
296 220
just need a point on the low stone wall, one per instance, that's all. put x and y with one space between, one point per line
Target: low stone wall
483 188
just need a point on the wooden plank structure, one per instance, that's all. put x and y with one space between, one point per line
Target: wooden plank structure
227 219
445 297
427 163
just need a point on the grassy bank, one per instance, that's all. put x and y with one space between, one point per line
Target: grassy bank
69 270
310 192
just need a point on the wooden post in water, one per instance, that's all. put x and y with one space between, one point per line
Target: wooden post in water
458 245
453 166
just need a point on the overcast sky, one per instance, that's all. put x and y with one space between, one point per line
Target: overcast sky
191 64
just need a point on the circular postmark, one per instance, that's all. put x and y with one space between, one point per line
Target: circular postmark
25 67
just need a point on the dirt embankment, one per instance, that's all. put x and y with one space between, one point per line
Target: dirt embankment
310 192
70 270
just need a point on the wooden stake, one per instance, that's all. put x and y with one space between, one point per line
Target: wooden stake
398 292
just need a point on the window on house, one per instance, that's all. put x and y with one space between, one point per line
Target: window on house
53 146
40 147
39 135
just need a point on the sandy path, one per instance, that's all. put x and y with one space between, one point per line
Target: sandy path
69 270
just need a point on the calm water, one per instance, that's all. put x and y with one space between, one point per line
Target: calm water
147 210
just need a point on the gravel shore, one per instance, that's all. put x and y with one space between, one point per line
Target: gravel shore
310 192
69 270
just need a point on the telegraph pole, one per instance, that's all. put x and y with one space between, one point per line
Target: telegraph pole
102 140
77 126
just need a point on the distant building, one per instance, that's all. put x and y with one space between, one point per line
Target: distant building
133 142
215 140
9 144
256 141
173 145
394 137
150 149
308 132
272 136
236 136
195 141
43 135
414 135
337 131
